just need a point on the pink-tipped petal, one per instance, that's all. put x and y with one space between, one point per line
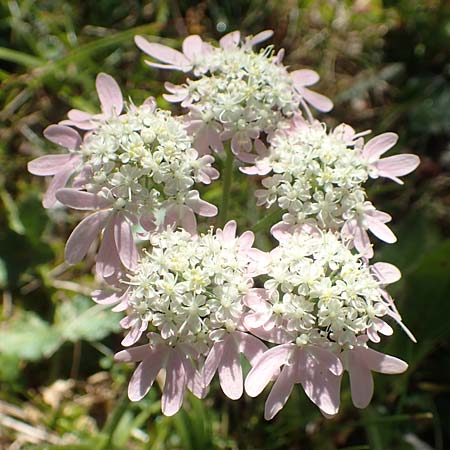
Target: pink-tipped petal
327 359
212 362
378 145
58 182
397 166
246 240
380 230
134 354
64 136
318 101
109 94
132 337
304 77
192 46
261 37
361 381
86 201
145 374
199 206
319 384
379 362
174 386
124 241
79 116
107 260
229 231
83 235
167 55
266 366
257 299
280 392
230 371
48 165
105 297
194 379
230 40
250 346
386 273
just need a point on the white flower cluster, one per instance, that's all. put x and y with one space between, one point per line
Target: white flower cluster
317 175
142 158
190 288
244 91
320 292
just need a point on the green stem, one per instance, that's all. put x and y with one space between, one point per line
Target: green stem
227 177
268 220
112 422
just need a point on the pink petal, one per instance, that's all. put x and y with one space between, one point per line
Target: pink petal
145 374
134 354
386 273
379 145
280 392
192 46
257 320
79 116
261 37
212 362
327 359
82 200
379 362
187 220
250 346
48 165
383 327
123 237
109 94
319 384
230 371
194 379
58 182
246 240
229 231
132 337
319 101
174 58
64 136
174 386
230 40
380 230
266 367
397 166
107 261
361 381
304 77
105 297
276 335
199 206
83 235
256 299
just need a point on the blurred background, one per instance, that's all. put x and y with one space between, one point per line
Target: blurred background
385 64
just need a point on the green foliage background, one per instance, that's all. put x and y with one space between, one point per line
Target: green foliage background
387 67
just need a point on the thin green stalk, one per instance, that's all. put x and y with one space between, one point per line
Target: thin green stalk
112 422
267 220
227 177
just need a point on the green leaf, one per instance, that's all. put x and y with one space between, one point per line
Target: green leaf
78 319
28 337
21 58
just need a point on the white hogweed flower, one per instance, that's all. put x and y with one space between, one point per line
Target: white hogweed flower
320 303
238 93
190 289
318 177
